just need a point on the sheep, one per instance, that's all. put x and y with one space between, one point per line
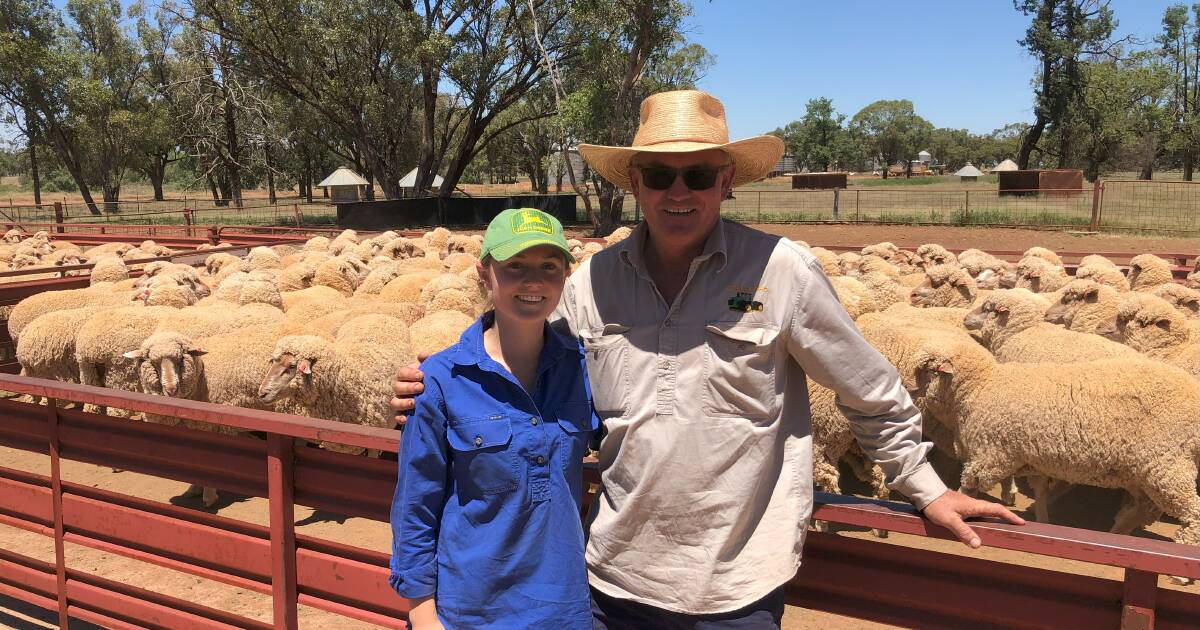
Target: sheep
39 304
339 273
1103 274
934 254
945 285
222 369
884 250
308 310
617 235
829 261
852 295
377 279
318 293
116 249
847 262
1150 325
1185 300
974 260
1010 324
1096 259
1044 254
106 336
296 276
14 235
47 345
460 244
316 244
457 262
260 290
1038 275
167 293
165 271
400 247
347 379
109 269
64 258
438 330
833 442
200 321
262 258
407 287
1147 272
1084 306
882 291
1117 423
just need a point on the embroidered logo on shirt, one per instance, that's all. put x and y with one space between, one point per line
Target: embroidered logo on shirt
745 303
531 221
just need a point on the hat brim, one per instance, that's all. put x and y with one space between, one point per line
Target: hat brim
753 158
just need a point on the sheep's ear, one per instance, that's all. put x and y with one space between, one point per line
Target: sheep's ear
1164 324
304 366
197 351
133 354
944 367
1000 308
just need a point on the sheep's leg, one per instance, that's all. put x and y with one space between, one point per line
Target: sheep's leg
1008 491
827 478
208 497
1174 491
193 490
1137 510
1041 497
985 472
872 475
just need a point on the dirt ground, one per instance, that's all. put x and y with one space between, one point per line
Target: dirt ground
1081 507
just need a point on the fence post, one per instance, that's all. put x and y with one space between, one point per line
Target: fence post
857 216
1137 610
283 530
966 204
60 562
835 203
58 217
1097 195
299 215
187 220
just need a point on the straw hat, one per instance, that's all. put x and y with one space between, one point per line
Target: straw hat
682 122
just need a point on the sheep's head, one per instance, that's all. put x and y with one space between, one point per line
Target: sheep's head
168 365
1147 323
14 236
1074 296
1032 272
1185 300
1043 253
944 285
1147 271
934 254
884 250
20 261
290 369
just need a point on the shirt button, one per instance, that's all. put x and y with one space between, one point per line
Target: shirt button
478 440
541 460
533 421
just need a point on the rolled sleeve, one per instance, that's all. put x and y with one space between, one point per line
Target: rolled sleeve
887 425
420 494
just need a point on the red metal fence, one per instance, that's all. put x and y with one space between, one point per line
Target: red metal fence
872 580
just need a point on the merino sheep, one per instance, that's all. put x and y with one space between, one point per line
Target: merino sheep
438 330
617 235
884 250
347 379
1147 272
263 258
1044 254
1103 274
462 244
109 269
945 285
1009 323
339 273
1107 423
1040 276
407 287
1185 300
1150 325
102 341
1084 306
47 345
39 304
829 261
934 254
1096 259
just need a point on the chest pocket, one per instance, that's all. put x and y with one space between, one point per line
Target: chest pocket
577 423
739 370
606 350
483 461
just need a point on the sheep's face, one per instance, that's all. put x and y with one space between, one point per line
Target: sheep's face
1069 302
931 375
940 289
287 376
982 321
173 374
1148 330
13 236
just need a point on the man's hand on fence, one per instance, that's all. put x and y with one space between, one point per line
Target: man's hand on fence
951 508
407 384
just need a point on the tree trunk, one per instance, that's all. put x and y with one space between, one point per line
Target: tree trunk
270 175
425 170
233 174
612 203
1188 166
112 195
1030 141
34 174
156 172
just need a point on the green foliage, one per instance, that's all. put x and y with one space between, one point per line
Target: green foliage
891 130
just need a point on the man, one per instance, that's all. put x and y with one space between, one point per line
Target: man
699 335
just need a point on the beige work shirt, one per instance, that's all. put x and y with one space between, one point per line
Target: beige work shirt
707 464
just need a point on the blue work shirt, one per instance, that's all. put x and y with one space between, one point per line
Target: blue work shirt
486 511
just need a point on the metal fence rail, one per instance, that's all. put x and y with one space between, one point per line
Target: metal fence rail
866 579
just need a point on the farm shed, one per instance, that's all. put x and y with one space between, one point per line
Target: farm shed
408 183
968 173
1043 181
818 181
1006 165
344 185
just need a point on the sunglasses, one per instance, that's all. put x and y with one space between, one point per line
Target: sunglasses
694 177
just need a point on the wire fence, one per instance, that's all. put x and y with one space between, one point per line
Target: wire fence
1166 207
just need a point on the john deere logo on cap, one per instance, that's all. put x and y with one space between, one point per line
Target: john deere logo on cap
527 221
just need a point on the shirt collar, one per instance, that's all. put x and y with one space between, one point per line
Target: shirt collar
469 349
632 248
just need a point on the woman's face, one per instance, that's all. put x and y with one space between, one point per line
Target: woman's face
527 286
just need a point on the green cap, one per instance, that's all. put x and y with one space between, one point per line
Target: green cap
516 230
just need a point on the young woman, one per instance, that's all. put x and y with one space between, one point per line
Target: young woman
485 519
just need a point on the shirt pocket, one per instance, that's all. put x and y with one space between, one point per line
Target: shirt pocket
483 462
607 353
577 423
739 369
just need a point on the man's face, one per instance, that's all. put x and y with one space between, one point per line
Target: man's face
679 217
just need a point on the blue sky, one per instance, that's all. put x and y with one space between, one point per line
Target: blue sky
957 61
